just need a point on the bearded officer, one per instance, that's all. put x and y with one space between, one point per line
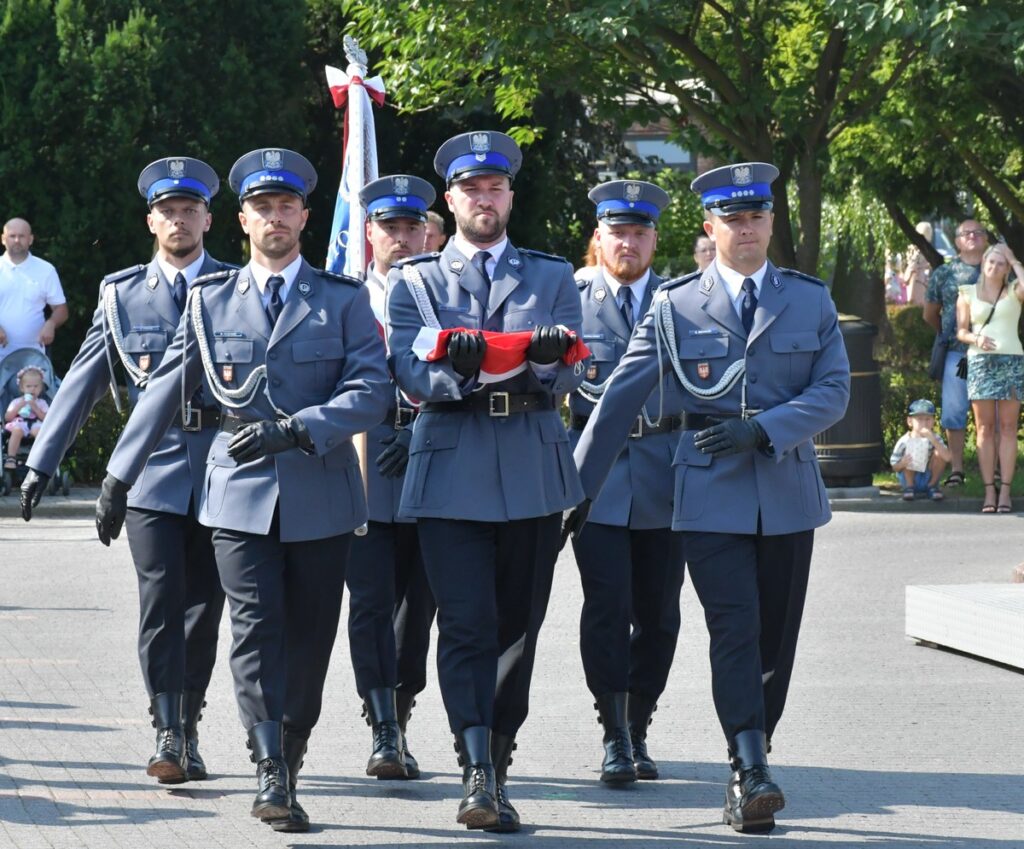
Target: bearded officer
630 560
292 356
180 598
490 468
760 369
389 599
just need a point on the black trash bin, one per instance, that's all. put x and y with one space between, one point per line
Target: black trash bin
850 451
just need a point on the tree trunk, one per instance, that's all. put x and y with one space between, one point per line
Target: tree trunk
858 290
808 181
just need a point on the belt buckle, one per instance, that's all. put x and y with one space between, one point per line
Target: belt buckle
637 430
493 408
193 420
403 417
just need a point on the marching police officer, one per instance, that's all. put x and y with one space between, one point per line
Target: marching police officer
385 564
490 468
293 358
180 598
630 561
760 369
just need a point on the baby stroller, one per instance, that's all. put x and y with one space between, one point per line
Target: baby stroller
9 390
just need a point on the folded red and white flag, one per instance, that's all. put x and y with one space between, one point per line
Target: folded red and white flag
505 355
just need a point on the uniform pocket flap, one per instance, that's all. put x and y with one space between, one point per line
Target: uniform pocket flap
688 455
145 342
794 342
552 429
704 348
435 436
601 352
232 350
311 350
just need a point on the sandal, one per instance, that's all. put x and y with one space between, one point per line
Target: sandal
989 506
935 494
1008 506
957 479
908 493
10 463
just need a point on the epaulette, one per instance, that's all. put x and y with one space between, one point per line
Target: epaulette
582 284
417 258
542 255
123 274
803 276
214 276
679 281
338 278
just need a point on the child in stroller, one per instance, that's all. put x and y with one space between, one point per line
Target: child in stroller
26 371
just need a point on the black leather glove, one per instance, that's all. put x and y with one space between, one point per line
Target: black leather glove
32 489
391 462
111 508
466 349
272 436
575 521
732 436
549 344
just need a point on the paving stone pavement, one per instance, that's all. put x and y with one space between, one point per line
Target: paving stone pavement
884 743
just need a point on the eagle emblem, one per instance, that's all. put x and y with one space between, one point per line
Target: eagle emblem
480 142
176 168
742 175
272 159
400 185
632 192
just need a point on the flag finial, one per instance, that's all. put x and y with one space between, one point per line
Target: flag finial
353 52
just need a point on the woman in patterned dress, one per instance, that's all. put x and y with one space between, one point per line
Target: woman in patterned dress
987 315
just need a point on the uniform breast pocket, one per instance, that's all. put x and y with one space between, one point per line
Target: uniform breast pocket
457 317
793 355
323 358
702 358
146 347
526 318
229 353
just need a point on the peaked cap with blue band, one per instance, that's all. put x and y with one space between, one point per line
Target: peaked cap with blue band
272 169
178 177
629 202
397 196
480 152
736 188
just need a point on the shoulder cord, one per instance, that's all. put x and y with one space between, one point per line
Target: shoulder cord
112 323
233 398
414 280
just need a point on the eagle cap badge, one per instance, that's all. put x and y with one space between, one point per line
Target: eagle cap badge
742 175
632 191
400 185
272 159
176 168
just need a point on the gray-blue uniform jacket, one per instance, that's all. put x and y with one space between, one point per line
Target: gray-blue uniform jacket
136 304
470 465
322 362
638 491
797 373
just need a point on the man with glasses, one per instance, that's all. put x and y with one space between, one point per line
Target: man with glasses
940 313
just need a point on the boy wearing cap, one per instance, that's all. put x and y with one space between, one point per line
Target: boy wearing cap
920 456
490 469
180 597
391 608
630 561
759 368
293 359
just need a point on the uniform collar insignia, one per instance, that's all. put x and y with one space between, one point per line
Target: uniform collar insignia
776 282
456 265
600 294
707 283
304 288
515 261
243 285
153 282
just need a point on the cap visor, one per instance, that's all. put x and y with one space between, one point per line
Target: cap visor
272 189
403 212
476 172
620 218
741 206
177 192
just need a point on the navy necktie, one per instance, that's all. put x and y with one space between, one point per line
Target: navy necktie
178 291
627 306
749 304
275 305
479 262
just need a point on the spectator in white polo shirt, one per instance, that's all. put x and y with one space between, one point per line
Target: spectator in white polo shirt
27 285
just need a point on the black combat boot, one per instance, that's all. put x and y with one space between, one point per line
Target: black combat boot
752 798
273 801
479 806
502 747
168 762
386 760
617 767
404 703
294 752
192 713
640 710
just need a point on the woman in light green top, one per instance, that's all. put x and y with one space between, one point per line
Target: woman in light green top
987 315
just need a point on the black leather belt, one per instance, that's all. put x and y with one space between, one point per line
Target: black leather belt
197 418
401 416
233 424
497 404
668 424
